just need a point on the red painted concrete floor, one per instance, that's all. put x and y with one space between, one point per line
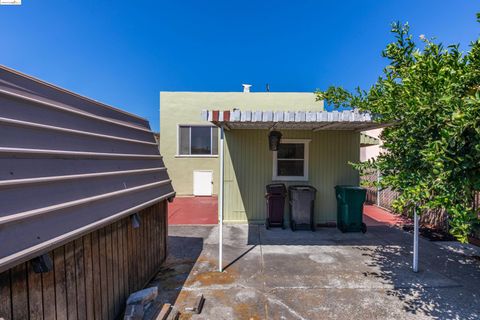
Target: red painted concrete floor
203 210
375 216
193 210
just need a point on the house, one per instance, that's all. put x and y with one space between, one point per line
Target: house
370 144
189 145
83 193
316 147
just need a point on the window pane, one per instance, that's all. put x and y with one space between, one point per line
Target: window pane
214 140
200 140
291 151
184 140
290 168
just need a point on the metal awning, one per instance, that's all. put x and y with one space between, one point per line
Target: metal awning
299 120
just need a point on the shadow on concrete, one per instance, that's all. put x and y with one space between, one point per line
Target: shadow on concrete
445 287
442 289
272 273
183 253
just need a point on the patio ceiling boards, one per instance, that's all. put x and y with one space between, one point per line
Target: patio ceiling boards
298 120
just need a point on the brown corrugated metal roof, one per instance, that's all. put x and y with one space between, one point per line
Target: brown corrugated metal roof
68 165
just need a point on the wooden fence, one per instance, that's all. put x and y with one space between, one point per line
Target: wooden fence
385 197
92 276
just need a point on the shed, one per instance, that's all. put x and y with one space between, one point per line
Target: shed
82 185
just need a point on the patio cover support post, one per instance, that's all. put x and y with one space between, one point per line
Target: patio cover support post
415 239
220 204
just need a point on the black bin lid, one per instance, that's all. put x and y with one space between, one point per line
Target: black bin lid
278 188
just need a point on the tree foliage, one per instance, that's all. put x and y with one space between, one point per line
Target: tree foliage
430 96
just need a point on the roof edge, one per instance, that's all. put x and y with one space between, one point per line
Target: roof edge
69 92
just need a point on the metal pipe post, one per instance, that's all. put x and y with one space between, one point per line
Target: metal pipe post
220 205
415 239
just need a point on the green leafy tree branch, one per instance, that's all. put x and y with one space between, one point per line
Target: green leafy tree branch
430 98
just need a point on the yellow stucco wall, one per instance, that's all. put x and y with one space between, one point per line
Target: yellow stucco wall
249 166
177 108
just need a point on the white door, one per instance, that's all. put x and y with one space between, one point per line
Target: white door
202 183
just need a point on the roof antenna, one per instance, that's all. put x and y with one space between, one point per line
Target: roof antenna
267 87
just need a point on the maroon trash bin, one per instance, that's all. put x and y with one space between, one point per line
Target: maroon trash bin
275 197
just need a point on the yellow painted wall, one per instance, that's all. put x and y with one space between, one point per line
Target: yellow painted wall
178 108
249 166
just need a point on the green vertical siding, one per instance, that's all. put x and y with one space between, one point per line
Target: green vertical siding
248 168
183 108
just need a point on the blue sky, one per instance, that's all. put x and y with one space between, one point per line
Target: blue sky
124 52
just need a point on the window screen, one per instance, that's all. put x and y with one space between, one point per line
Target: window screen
291 159
184 140
198 140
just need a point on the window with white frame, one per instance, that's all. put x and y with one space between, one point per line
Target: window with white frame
197 140
290 162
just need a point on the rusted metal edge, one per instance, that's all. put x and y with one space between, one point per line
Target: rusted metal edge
26 254
8 183
63 205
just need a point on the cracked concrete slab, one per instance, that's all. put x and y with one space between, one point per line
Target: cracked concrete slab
280 274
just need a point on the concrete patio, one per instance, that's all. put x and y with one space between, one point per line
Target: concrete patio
280 274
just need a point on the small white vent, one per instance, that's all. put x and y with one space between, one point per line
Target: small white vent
246 87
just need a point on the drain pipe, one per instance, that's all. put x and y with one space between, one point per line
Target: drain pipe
415 239
220 204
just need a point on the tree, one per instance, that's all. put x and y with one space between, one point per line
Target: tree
431 99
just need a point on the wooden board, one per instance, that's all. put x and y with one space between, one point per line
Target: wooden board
92 276
19 292
35 296
60 283
5 296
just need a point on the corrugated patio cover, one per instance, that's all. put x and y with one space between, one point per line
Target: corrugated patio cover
68 165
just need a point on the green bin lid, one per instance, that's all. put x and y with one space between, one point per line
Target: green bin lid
348 187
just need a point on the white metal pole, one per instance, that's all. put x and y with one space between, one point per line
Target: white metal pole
220 205
415 239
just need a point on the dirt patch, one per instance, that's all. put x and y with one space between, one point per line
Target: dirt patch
210 278
245 311
431 234
185 299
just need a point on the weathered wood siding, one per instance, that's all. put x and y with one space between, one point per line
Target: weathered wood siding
93 275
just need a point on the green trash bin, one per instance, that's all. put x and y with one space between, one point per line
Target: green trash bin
350 201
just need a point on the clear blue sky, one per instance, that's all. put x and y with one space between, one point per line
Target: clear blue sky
124 52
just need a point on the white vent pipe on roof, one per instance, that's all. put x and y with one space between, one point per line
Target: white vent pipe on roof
246 87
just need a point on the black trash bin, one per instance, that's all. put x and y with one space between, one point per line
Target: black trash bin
302 201
275 196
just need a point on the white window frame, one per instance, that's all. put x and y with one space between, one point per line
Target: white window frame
306 153
178 155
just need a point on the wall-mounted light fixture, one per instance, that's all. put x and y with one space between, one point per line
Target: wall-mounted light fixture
135 220
42 264
274 140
